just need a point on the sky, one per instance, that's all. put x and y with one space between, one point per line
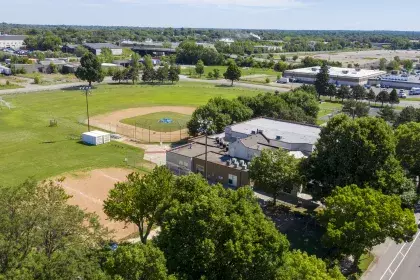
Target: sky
246 14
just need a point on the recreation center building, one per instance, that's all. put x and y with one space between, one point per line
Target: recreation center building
338 76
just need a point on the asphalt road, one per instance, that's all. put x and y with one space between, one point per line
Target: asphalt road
396 261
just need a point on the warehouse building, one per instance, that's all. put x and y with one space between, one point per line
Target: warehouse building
338 76
228 155
96 48
12 41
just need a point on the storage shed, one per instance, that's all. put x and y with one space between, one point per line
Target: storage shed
96 137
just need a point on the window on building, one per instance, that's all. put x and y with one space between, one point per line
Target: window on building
233 180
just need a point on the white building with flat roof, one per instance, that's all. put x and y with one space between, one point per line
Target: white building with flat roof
12 41
279 134
338 76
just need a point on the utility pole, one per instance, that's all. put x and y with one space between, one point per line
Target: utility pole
205 128
87 91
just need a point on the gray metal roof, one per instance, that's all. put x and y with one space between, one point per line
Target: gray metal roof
193 150
288 132
98 46
12 37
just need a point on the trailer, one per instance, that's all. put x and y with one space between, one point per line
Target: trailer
96 137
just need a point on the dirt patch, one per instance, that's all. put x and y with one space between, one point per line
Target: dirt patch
90 189
111 122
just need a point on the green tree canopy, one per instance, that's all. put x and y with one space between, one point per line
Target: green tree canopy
356 109
408 147
322 80
387 114
383 97
343 92
357 219
136 261
44 237
276 171
299 266
173 74
90 69
214 233
358 92
233 73
199 67
222 112
141 200
106 55
408 114
358 152
371 96
393 97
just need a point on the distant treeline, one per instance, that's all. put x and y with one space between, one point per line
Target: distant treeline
299 40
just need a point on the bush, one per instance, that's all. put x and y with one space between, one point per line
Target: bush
267 80
37 80
7 83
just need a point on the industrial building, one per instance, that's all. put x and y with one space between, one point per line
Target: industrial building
338 76
12 41
229 154
397 81
96 48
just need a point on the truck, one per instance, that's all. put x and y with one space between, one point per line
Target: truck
415 91
283 80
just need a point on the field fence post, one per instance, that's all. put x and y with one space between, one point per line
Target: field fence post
149 134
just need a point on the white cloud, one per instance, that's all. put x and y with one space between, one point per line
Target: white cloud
282 4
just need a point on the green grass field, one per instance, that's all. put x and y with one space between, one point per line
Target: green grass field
29 147
246 71
9 86
151 121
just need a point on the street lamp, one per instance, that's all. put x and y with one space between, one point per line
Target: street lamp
87 91
205 127
353 110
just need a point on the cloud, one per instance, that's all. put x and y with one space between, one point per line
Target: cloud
279 4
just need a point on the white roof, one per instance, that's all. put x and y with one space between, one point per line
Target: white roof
289 132
297 154
96 133
339 72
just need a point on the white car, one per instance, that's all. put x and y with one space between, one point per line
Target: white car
402 95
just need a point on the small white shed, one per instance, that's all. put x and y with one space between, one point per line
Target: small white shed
96 137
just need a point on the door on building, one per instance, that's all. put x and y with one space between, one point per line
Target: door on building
233 180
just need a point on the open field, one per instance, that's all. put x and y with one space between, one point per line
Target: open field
90 189
153 122
51 79
29 147
143 130
9 86
246 71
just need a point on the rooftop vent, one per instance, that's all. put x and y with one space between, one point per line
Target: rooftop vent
345 72
253 132
278 137
314 69
228 162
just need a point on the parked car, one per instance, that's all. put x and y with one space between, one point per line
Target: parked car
415 91
402 95
378 85
283 80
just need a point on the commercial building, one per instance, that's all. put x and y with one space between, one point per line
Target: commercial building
228 155
338 76
12 41
397 81
96 48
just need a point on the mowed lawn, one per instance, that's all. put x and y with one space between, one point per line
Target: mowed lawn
246 71
29 147
154 121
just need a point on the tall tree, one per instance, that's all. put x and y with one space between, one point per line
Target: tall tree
393 97
331 91
199 68
148 62
233 73
42 236
141 199
162 73
382 97
358 92
214 233
343 92
387 114
408 114
149 75
360 152
136 261
90 69
322 80
118 75
382 64
216 73
358 219
371 96
276 171
356 109
408 147
173 75
106 55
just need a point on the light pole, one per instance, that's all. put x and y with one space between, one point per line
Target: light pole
205 127
87 91
353 110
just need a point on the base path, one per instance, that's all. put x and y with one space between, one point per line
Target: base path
90 189
111 122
